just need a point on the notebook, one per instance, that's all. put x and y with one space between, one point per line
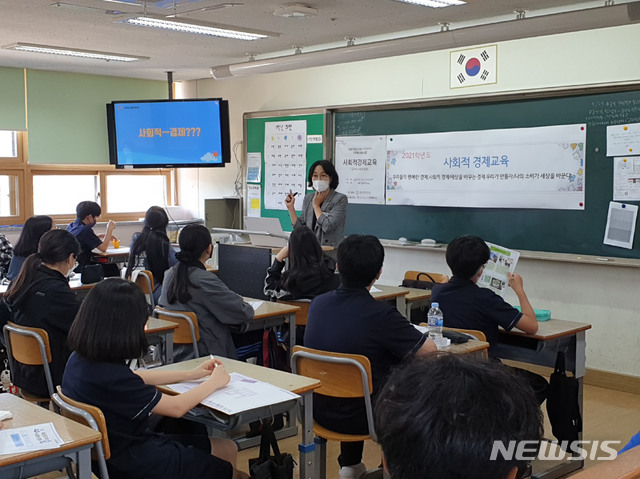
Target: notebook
270 225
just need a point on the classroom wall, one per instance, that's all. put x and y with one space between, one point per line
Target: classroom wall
602 295
65 113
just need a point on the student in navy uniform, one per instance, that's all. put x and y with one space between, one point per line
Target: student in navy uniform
109 330
189 286
310 272
325 210
349 320
27 243
40 297
466 305
439 417
87 214
151 248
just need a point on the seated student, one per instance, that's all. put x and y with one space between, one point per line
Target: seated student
6 252
310 272
27 243
189 286
439 417
151 248
349 320
40 297
466 305
87 214
109 330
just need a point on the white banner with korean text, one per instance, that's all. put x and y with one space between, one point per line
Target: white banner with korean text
541 167
360 163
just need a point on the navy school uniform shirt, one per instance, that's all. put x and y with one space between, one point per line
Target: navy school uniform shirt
466 305
127 402
86 237
350 320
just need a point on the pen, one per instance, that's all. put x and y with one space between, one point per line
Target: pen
214 358
294 195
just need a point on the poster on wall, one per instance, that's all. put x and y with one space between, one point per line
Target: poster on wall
542 167
623 139
285 149
360 163
626 178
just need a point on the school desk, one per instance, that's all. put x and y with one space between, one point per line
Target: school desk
389 293
541 349
273 314
625 466
164 329
78 440
291 382
74 283
415 298
112 255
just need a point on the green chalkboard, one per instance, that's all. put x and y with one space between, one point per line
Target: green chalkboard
559 231
254 130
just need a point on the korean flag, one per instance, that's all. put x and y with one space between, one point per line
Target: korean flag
476 66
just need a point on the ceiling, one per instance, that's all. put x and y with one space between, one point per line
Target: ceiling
93 25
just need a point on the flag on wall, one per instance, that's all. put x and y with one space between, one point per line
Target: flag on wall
475 66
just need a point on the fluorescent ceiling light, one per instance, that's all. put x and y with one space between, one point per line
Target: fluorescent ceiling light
73 52
193 27
434 3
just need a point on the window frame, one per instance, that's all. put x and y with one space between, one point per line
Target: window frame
101 171
23 202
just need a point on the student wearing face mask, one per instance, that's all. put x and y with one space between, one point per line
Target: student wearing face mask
40 297
325 210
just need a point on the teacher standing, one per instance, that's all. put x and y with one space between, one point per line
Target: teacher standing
324 211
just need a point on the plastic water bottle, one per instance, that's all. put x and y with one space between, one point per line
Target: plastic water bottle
435 319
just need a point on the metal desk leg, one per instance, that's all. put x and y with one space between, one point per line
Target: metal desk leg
168 348
307 447
292 332
401 305
83 463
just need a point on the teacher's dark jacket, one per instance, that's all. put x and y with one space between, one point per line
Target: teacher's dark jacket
47 303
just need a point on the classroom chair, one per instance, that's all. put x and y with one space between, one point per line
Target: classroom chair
89 416
29 346
188 331
426 276
144 279
301 316
342 376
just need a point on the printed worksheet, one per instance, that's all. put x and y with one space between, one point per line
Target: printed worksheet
29 438
496 272
241 394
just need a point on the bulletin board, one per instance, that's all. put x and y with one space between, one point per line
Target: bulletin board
258 124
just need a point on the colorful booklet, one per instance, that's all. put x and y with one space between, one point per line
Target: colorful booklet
496 272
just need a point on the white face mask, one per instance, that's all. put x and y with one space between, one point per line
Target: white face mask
320 185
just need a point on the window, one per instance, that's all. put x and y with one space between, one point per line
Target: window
8 144
128 193
59 194
55 190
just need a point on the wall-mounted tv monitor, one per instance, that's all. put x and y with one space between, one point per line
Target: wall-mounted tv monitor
169 133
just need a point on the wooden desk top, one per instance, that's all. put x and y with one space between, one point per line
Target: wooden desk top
469 347
554 328
122 251
268 309
156 325
290 382
625 466
74 283
388 292
26 414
